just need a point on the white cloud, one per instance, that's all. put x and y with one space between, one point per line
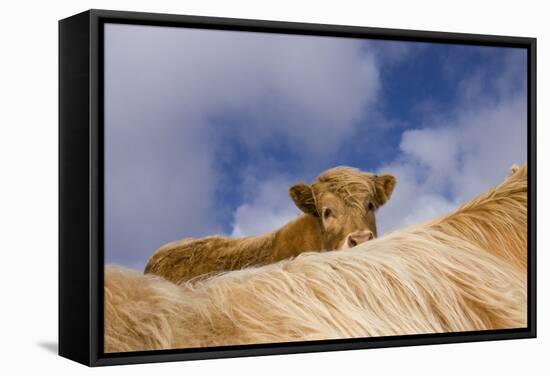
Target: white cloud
437 148
268 209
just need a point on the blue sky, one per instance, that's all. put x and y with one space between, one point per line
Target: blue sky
205 130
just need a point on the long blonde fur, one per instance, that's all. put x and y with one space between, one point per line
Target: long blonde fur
443 276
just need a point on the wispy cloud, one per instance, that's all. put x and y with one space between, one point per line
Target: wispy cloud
266 208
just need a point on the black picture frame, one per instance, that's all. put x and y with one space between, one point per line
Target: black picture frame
81 181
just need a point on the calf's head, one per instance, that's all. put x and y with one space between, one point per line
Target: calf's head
344 201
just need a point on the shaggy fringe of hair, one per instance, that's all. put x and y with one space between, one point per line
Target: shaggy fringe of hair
462 272
351 184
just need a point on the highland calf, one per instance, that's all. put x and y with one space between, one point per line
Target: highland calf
339 212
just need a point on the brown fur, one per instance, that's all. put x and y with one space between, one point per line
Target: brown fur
189 258
431 278
345 190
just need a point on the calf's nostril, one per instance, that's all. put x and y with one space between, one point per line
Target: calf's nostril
358 237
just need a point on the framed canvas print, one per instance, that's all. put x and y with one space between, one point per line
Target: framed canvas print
236 187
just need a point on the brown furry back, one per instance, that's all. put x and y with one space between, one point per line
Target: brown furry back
443 276
188 258
191 258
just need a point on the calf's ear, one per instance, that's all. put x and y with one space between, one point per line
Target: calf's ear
384 184
302 195
515 168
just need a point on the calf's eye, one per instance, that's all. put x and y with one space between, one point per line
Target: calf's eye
327 213
370 206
